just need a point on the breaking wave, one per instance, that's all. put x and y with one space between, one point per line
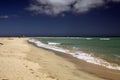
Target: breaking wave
78 54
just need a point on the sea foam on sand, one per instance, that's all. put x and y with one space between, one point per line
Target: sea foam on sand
78 54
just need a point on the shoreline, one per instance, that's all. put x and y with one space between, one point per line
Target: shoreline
105 54
90 68
79 55
20 60
60 68
94 69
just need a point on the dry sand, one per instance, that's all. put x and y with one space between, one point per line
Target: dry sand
20 60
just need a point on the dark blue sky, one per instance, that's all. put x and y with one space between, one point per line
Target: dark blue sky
16 20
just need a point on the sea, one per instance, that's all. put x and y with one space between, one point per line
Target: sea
103 51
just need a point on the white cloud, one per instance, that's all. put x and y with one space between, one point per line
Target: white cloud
8 16
86 5
4 17
116 0
55 7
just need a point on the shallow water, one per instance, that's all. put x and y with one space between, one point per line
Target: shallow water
109 47
102 48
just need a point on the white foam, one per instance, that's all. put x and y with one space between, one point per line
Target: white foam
53 43
51 47
79 54
88 38
105 39
91 59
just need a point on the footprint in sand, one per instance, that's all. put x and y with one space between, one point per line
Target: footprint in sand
29 69
1 44
37 76
32 71
26 66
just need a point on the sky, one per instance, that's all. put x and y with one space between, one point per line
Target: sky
60 18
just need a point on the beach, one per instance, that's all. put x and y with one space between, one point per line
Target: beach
20 60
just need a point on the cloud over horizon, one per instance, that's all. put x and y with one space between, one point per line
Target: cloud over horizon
56 7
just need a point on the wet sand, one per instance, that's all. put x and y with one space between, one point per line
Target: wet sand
20 60
90 68
97 70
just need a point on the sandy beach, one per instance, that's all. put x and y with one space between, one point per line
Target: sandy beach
20 60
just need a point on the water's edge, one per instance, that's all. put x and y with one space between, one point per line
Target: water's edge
78 54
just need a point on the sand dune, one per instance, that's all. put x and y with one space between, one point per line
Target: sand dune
20 60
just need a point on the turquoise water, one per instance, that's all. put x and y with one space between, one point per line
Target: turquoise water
108 48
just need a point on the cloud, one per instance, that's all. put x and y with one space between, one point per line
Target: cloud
56 7
116 0
8 16
4 17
